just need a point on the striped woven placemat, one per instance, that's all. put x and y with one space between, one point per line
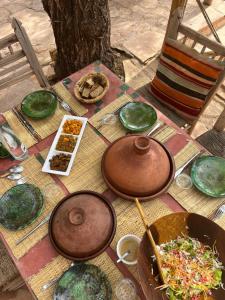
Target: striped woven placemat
115 131
77 107
32 170
129 221
193 200
86 171
21 132
56 268
49 125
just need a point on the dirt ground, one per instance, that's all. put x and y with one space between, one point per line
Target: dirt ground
138 27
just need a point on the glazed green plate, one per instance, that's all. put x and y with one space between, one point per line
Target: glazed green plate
39 105
83 282
20 206
208 175
137 116
3 152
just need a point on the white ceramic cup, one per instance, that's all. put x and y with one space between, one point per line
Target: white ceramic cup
118 248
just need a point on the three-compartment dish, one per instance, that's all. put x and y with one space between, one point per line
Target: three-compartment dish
65 145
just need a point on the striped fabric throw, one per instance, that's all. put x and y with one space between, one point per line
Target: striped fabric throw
184 78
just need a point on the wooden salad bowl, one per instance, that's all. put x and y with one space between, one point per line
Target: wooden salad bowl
170 227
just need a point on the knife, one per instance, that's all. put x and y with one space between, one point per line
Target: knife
180 170
27 125
45 220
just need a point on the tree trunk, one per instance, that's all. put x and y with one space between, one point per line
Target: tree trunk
82 33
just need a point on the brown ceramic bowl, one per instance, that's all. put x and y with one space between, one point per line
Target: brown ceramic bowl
170 227
82 225
136 166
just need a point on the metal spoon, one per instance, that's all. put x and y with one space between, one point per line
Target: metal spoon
219 212
21 180
13 176
15 169
155 127
123 256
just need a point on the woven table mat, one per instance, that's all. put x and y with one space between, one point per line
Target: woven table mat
32 170
115 131
129 221
21 132
49 125
185 154
86 171
77 107
193 200
56 268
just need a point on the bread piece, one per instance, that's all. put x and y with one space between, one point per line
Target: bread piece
98 91
90 82
86 93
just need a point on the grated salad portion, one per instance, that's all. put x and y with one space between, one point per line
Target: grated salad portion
190 268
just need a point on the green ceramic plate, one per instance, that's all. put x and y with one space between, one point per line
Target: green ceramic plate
20 206
3 152
83 282
137 116
208 175
39 104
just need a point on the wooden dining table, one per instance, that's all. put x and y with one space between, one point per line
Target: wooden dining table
35 258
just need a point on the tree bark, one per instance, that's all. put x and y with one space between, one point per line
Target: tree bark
82 33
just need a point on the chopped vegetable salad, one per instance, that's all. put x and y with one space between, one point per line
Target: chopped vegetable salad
190 269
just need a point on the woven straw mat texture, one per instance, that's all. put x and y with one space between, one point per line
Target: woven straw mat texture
129 221
193 200
86 171
77 107
21 132
114 131
52 194
56 268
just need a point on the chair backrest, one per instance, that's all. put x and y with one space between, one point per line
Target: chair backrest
20 61
220 123
175 81
193 39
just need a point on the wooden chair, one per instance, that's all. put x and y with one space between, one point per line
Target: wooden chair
197 43
214 139
19 64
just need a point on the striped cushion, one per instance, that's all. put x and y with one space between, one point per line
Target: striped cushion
184 78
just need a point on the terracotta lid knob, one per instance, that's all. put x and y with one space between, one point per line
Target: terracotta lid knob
142 144
76 216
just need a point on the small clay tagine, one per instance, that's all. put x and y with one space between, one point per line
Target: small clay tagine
82 225
137 166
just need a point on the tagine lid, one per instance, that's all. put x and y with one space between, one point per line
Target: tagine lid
82 225
137 166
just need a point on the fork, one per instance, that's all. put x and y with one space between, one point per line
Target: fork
63 103
53 281
219 212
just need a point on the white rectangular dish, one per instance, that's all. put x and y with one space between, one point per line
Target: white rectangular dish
52 152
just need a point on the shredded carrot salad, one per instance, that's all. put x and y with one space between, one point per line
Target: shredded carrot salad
190 269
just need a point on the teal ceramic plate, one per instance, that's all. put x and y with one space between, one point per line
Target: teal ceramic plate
137 116
3 152
20 206
39 104
208 175
83 282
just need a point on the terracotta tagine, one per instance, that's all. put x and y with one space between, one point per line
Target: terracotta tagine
82 225
137 166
